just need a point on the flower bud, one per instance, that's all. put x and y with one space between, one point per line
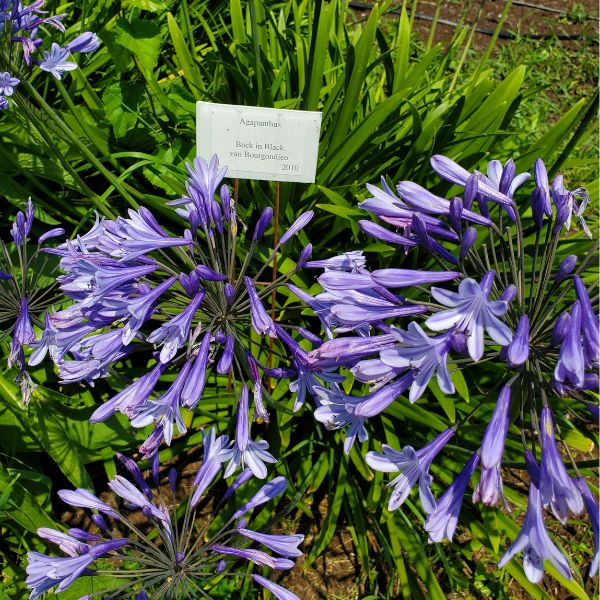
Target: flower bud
262 223
456 209
467 241
565 268
509 294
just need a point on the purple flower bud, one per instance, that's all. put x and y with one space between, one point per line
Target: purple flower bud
509 294
208 274
267 492
226 202
296 226
539 197
442 522
562 325
508 174
304 256
489 487
229 293
471 188
458 341
565 268
155 467
279 592
557 489
132 467
492 444
518 349
245 476
173 479
5 276
86 42
468 239
220 567
261 321
227 356
456 209
99 522
383 234
589 323
262 223
50 234
194 385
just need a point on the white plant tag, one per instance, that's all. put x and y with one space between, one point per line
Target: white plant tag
259 143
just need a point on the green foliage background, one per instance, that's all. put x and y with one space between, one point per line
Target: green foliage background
116 133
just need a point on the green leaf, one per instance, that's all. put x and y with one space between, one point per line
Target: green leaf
142 39
22 505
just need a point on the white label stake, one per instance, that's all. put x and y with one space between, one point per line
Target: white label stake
259 143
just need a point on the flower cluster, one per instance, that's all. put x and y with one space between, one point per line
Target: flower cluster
24 294
182 556
21 30
513 306
183 304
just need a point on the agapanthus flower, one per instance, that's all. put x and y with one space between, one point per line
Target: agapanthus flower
183 303
182 556
535 543
22 31
412 466
24 295
510 302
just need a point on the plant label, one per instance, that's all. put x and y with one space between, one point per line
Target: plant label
259 143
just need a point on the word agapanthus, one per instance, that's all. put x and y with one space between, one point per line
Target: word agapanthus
184 304
26 290
22 30
498 295
180 554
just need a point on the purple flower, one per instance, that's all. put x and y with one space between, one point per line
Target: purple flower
489 487
56 62
170 549
337 409
173 334
472 312
214 449
165 411
442 522
45 572
425 356
557 489
7 84
412 466
244 451
535 543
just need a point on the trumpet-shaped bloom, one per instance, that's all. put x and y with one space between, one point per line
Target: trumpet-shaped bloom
412 466
472 312
441 523
534 542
